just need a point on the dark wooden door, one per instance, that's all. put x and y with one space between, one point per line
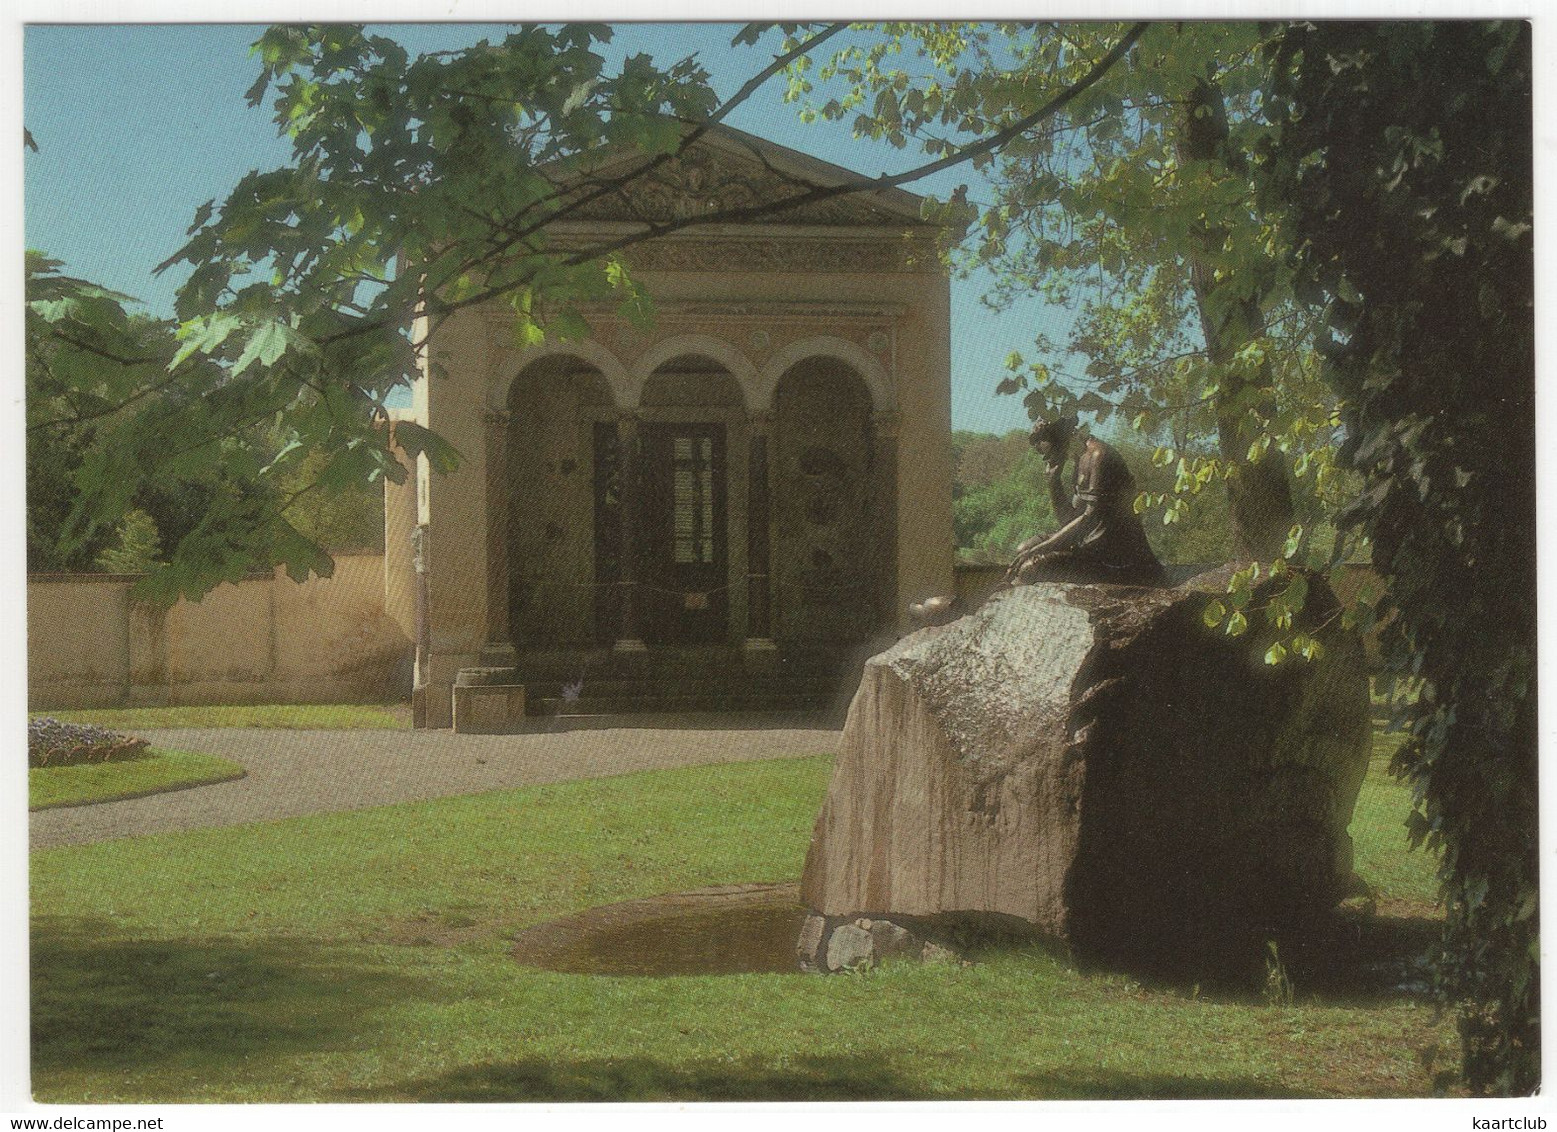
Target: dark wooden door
683 554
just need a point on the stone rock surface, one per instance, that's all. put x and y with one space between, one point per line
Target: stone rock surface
830 944
1095 762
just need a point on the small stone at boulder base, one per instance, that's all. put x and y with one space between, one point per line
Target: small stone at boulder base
935 953
889 939
849 947
1094 761
810 943
829 944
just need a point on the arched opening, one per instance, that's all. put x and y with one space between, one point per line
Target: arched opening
830 556
563 510
691 447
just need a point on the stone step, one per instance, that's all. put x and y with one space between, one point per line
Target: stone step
694 720
681 663
737 685
671 703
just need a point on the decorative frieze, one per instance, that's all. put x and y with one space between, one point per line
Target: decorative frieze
877 253
704 181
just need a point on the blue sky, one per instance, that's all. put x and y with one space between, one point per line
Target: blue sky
137 125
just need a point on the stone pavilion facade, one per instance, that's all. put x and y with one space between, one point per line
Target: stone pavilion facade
762 474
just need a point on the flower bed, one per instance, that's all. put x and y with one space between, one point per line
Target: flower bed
53 743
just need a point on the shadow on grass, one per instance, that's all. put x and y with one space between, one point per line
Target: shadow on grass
815 1078
1099 1083
1365 961
108 1002
1340 960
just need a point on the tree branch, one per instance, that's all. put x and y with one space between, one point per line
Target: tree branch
827 192
604 187
105 354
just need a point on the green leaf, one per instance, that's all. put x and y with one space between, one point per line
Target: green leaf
267 344
1214 612
204 335
1237 624
1306 647
417 441
527 333
1276 653
202 214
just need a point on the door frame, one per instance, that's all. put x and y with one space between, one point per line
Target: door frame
683 602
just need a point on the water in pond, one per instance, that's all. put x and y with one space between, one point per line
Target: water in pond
712 939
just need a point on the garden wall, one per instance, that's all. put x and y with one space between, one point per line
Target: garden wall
265 639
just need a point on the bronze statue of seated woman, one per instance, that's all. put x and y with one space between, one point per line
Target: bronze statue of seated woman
1100 538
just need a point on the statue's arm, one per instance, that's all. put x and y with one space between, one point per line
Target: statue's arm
1064 510
1085 521
1078 523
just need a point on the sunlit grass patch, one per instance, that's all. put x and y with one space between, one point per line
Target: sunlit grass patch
323 717
365 956
150 772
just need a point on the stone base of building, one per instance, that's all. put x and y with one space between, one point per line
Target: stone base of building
482 707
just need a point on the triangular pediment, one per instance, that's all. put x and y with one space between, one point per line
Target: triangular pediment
728 169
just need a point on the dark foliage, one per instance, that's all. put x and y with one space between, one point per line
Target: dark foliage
1405 169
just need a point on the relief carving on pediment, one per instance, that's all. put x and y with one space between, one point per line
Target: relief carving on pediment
703 181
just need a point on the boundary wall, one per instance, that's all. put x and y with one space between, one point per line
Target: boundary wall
265 639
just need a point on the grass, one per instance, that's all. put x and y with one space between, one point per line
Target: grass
332 717
364 957
1406 881
152 771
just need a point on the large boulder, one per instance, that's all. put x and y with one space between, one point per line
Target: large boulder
1093 762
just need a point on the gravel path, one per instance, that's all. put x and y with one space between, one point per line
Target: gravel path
291 773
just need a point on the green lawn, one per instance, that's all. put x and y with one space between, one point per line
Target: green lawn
151 772
1406 880
330 717
364 957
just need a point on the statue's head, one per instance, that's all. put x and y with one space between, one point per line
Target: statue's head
1052 436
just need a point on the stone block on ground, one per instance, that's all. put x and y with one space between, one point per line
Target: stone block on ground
485 702
1094 761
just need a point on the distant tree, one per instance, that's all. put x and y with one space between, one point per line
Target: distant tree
349 518
123 470
983 458
1000 498
137 549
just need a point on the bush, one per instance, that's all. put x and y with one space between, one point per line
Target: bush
53 743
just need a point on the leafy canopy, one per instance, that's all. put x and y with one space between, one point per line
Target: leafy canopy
418 187
1136 204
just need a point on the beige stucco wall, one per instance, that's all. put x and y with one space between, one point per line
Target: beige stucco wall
261 640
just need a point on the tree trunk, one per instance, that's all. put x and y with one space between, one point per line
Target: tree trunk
1259 490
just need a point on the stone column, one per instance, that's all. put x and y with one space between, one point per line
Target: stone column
499 648
759 624
629 637
423 615
884 429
